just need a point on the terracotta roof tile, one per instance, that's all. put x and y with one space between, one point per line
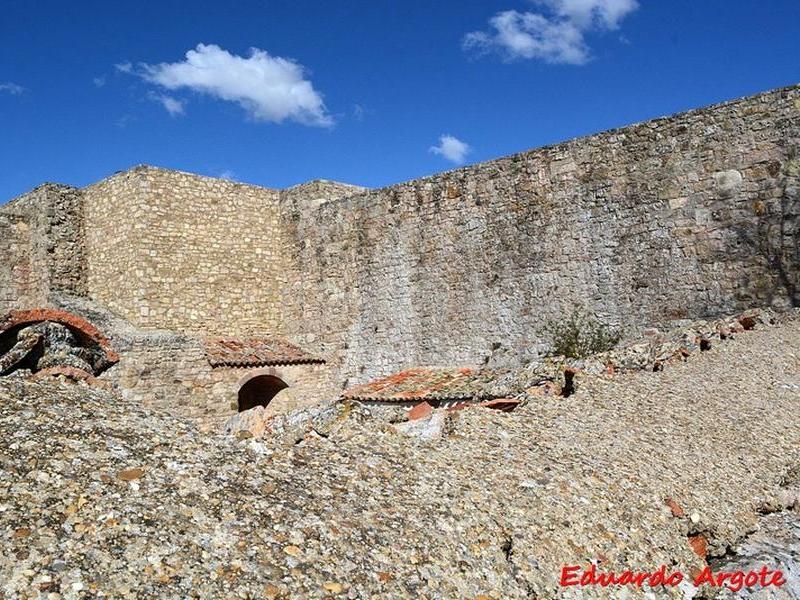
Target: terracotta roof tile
431 384
260 352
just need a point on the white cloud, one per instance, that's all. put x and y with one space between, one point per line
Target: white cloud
269 88
451 148
528 35
556 37
172 105
125 67
228 174
99 81
592 13
12 88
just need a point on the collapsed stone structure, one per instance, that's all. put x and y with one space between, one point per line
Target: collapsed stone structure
53 341
217 295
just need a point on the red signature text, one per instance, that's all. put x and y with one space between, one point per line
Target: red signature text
576 575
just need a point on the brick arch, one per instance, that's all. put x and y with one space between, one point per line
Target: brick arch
85 331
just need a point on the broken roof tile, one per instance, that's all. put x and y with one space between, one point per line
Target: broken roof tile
429 384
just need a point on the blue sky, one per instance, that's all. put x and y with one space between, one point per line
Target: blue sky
360 92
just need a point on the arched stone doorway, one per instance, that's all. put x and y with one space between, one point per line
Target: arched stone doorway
259 391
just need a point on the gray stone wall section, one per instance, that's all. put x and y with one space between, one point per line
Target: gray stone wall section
20 283
64 239
677 218
42 246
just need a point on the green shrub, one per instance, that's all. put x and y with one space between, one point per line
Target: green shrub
580 334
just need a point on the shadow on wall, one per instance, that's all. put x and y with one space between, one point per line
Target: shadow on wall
259 391
775 237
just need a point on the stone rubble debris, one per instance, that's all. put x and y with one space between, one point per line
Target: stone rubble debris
653 352
427 429
292 427
100 497
553 376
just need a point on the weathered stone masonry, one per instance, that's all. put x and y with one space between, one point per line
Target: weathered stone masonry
179 251
677 218
42 244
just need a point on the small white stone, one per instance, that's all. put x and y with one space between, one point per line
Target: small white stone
675 203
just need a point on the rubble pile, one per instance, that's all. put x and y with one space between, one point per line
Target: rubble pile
100 497
658 349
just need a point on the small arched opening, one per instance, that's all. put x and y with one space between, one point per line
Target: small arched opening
259 391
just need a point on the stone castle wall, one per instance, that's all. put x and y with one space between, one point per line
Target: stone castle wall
180 251
672 219
42 247
312 194
675 218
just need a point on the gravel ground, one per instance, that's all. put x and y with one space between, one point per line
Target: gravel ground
101 498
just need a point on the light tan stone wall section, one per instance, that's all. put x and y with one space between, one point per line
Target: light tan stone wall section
185 252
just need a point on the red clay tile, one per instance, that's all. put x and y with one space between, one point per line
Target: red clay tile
260 352
420 411
699 544
426 384
677 511
504 404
